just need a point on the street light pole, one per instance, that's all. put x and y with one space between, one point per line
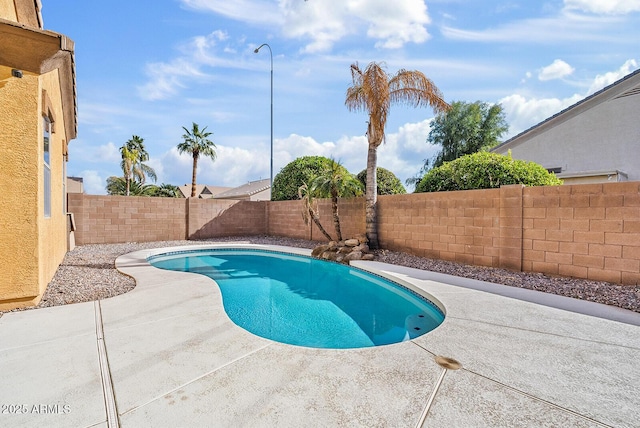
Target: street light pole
271 57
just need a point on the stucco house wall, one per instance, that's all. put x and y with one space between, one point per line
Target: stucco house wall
595 140
36 80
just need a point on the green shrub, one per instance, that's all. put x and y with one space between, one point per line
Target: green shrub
484 170
388 183
294 174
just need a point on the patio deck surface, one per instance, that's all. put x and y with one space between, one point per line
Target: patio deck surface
166 354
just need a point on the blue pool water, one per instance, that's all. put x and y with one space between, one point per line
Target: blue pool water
308 302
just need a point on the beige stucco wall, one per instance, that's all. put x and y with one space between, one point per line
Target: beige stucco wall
52 232
8 10
18 206
31 246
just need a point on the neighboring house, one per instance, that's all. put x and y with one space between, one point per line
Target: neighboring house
595 140
37 121
259 190
75 185
203 191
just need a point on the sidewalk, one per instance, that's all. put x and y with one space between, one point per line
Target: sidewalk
173 358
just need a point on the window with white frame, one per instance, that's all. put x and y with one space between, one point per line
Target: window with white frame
46 134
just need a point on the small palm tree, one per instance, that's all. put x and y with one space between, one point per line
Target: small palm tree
333 182
120 186
373 91
310 209
133 167
197 143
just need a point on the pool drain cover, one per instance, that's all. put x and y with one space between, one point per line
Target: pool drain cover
448 363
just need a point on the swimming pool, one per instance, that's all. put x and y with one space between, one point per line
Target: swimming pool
308 302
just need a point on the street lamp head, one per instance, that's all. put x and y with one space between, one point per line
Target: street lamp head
256 50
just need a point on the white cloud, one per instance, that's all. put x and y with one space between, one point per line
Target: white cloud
166 78
109 153
609 7
522 113
602 80
393 24
252 11
327 21
93 183
556 70
567 27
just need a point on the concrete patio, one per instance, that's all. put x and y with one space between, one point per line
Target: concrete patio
166 355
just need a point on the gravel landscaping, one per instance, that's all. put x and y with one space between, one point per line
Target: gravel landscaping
88 273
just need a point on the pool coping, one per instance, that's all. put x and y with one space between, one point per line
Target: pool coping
175 358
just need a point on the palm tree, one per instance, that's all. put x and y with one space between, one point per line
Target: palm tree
133 157
120 186
373 91
335 181
310 209
166 191
196 143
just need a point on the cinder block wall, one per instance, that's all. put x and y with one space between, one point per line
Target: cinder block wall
285 219
110 219
587 231
212 218
458 226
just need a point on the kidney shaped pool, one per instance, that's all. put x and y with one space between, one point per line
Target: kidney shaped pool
308 302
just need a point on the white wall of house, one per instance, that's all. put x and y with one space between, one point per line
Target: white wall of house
591 140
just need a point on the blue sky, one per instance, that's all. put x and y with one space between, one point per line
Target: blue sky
150 68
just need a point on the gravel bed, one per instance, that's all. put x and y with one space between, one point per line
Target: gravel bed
88 273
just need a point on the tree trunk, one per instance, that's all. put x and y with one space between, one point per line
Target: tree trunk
316 220
193 177
336 218
128 181
371 198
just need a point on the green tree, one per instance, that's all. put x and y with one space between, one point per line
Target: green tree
133 167
484 170
373 91
310 209
465 129
166 191
387 182
120 186
196 143
335 181
297 172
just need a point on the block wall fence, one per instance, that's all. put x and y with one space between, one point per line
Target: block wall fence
589 231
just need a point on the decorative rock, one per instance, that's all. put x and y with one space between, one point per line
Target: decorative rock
344 251
319 250
354 255
364 248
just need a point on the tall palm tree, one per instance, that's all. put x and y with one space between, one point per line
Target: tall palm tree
134 155
310 209
373 91
335 181
197 143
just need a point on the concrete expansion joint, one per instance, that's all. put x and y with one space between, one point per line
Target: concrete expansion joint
105 372
542 400
197 378
447 363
